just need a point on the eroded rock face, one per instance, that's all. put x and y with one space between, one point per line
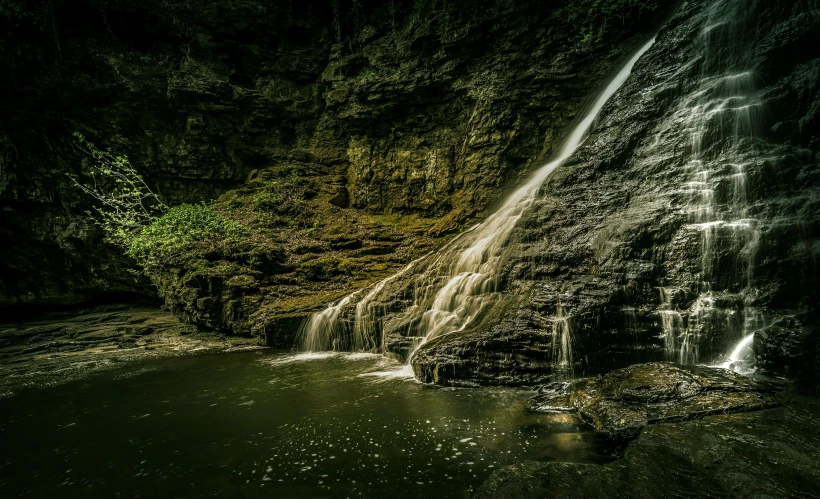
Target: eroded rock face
651 248
389 110
621 403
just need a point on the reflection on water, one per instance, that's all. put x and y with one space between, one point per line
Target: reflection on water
271 425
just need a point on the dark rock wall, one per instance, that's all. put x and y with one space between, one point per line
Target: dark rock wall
195 93
405 107
622 246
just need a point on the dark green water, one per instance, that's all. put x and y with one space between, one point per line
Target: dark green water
267 424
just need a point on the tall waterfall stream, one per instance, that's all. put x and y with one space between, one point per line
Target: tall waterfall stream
720 119
457 285
711 132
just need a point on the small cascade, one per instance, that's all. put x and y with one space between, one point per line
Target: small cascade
331 330
671 324
562 344
324 330
719 118
631 320
458 286
741 359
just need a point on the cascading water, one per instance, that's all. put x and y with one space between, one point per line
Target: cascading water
457 286
330 330
562 344
721 118
741 358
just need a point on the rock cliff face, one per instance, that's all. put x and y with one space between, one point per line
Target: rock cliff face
686 222
688 219
195 93
423 112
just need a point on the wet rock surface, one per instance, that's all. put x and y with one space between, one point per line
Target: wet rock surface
61 347
649 248
498 357
769 453
621 403
555 397
419 114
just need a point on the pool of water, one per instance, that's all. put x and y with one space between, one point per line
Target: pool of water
268 424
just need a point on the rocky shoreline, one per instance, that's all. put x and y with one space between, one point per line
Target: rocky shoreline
64 347
685 431
695 432
621 403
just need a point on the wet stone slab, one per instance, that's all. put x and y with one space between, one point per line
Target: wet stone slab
61 347
771 453
621 403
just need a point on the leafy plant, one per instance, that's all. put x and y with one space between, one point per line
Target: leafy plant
366 73
125 202
183 228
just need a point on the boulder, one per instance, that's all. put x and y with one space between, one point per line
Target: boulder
770 453
621 403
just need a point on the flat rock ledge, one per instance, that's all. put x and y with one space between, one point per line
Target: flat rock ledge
759 454
621 403
63 347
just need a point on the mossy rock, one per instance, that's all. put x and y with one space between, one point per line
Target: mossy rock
243 281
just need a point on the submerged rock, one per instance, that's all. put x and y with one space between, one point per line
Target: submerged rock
621 403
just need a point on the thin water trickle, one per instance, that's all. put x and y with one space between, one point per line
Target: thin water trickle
562 345
459 285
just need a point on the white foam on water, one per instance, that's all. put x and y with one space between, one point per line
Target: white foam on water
741 359
300 357
401 371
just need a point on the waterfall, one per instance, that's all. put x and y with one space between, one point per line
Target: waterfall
459 285
718 120
562 344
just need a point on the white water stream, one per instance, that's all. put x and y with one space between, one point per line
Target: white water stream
454 287
717 121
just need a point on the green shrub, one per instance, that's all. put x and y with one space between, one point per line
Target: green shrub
366 74
124 202
184 228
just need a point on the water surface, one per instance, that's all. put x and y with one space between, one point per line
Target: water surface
267 424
